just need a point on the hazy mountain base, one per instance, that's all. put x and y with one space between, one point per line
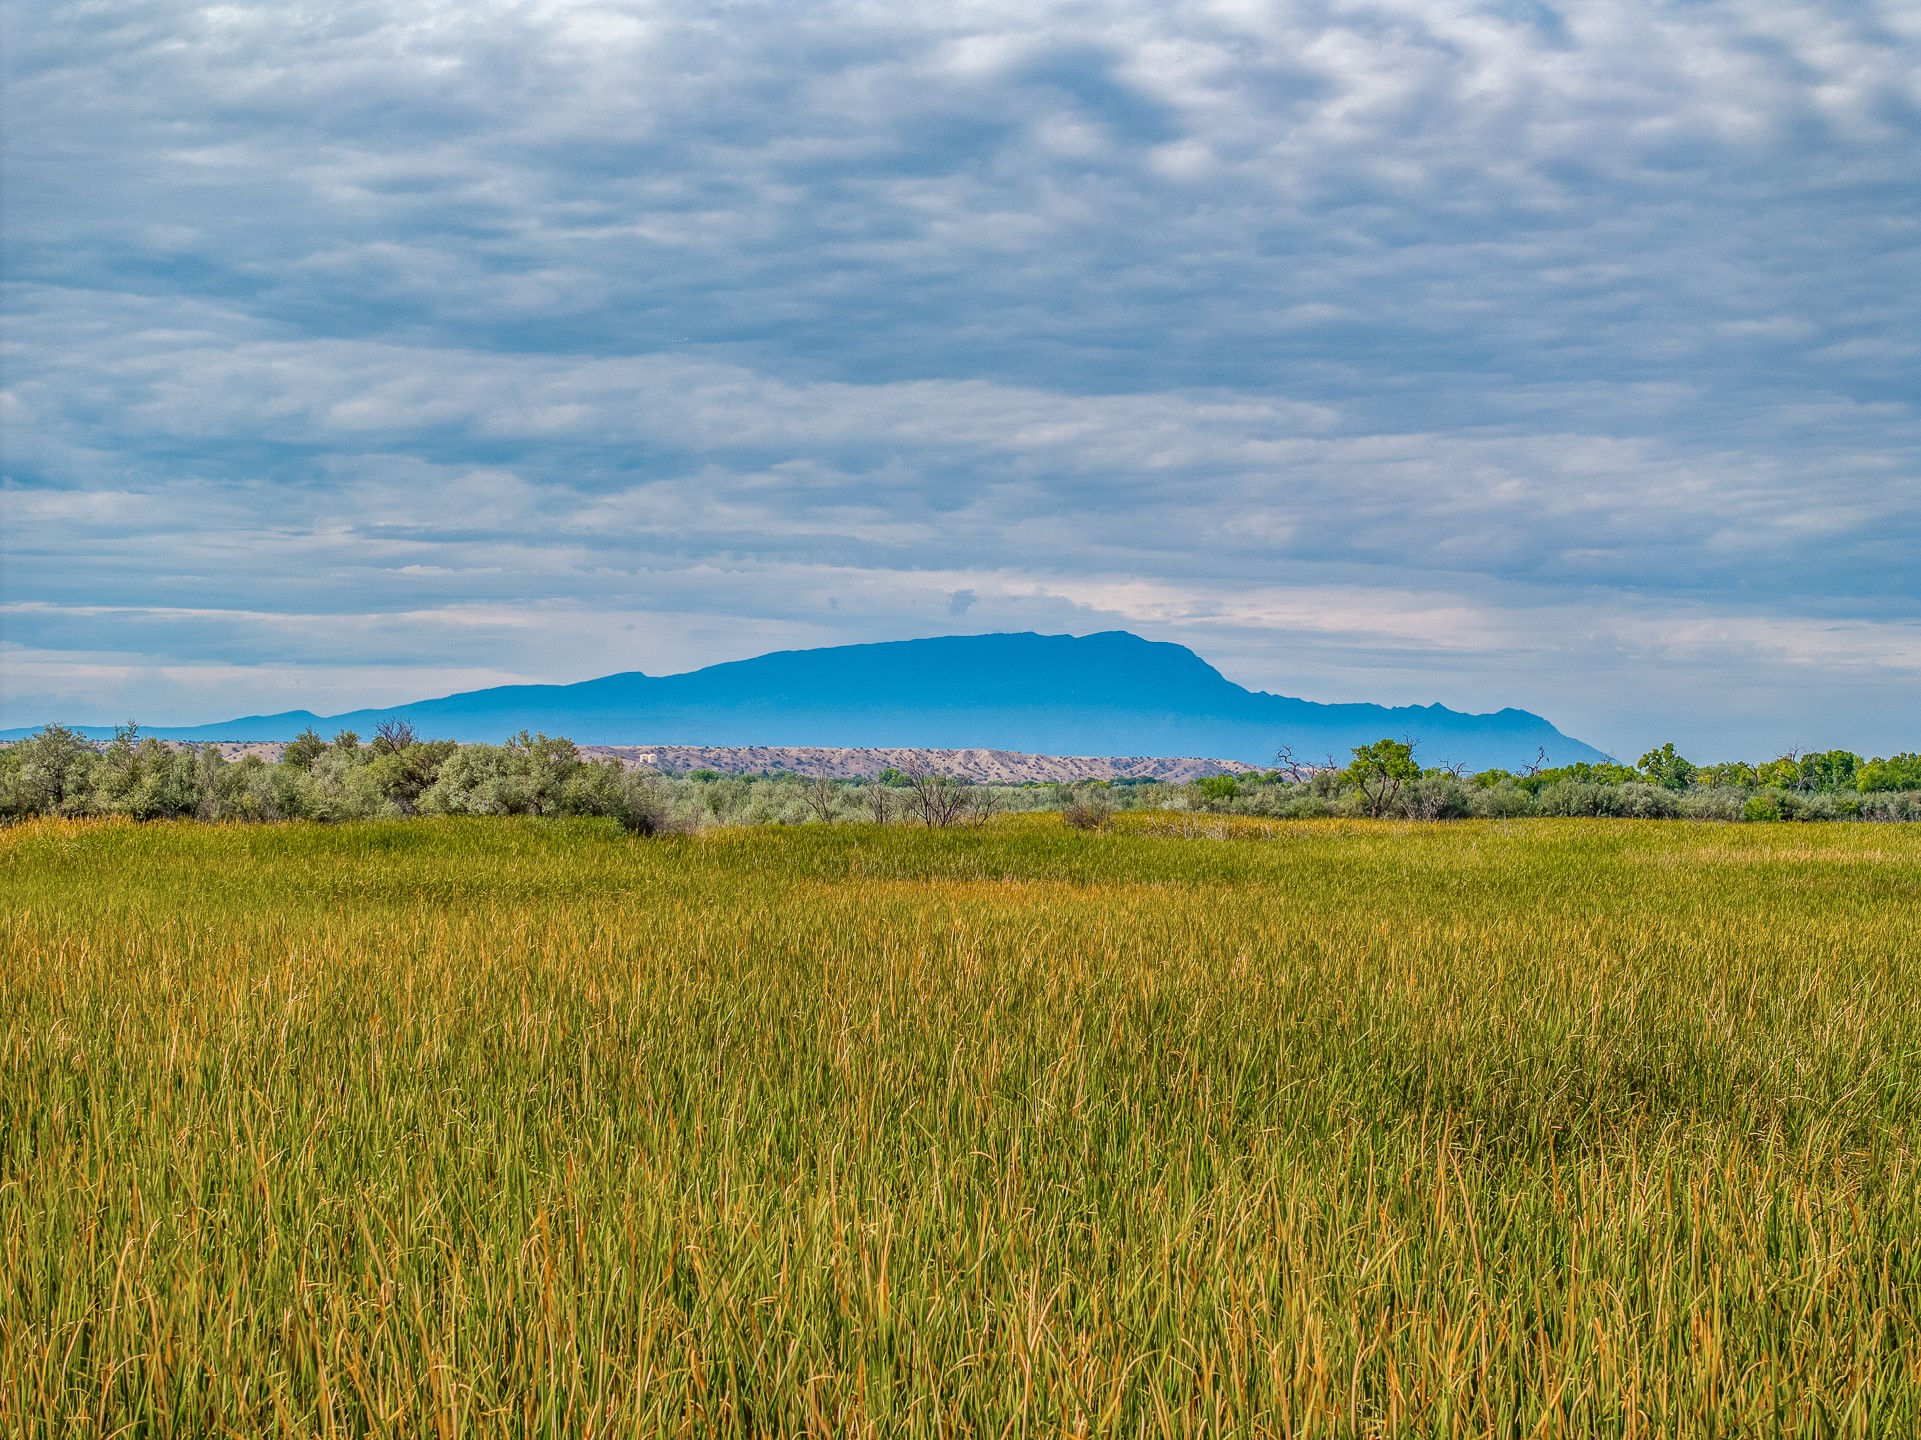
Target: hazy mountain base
984 767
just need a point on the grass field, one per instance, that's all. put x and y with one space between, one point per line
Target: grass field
531 1128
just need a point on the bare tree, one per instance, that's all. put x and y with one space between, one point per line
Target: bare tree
935 800
979 803
819 795
1540 760
877 799
1294 770
392 736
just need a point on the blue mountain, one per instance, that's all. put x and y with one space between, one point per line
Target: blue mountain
1106 694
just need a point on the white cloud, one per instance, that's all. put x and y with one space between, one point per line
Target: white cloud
1491 348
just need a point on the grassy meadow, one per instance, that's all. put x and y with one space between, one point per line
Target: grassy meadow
1202 1125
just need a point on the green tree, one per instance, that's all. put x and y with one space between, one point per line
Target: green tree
1581 772
1729 775
1380 772
304 749
538 768
52 772
1828 770
405 774
1897 772
1217 789
1667 768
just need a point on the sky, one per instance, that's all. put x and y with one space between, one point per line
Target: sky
1558 356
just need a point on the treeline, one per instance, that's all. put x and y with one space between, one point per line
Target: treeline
1385 779
396 774
58 772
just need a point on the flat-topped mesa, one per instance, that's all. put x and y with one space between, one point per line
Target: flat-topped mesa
1043 695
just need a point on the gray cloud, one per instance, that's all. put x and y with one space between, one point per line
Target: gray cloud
1582 339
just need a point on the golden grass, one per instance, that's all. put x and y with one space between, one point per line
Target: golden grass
513 1128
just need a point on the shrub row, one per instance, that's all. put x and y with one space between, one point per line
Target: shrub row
59 772
1444 797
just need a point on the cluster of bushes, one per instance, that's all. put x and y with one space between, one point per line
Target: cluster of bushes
58 772
1384 779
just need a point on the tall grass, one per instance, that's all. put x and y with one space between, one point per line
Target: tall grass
531 1128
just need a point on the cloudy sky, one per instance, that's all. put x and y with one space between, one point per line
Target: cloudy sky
1563 356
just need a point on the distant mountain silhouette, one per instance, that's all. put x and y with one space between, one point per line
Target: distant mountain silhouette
1106 694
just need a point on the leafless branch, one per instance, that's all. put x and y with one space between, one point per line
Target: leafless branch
819 795
391 736
936 800
877 799
1295 770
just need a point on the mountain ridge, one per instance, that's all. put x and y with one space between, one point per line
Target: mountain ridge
1111 693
